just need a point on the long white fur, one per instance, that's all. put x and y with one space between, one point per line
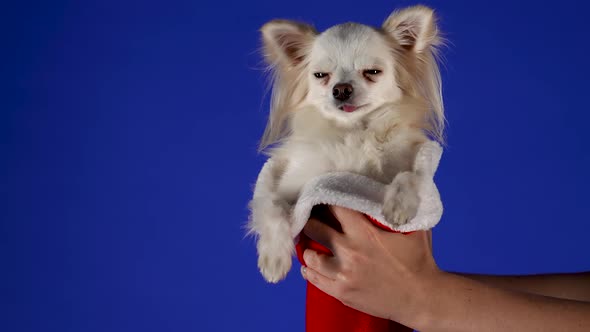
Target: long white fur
308 134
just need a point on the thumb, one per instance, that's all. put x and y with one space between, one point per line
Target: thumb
350 220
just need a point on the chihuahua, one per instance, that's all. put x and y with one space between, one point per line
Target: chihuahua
353 98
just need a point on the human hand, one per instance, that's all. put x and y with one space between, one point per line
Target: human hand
372 270
395 277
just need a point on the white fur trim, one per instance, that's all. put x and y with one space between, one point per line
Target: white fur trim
366 195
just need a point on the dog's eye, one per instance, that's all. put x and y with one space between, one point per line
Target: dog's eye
320 75
372 72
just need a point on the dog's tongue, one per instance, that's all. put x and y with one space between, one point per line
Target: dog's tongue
349 108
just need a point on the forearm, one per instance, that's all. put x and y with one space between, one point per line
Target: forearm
455 303
574 286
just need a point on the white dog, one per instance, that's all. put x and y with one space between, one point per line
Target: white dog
353 98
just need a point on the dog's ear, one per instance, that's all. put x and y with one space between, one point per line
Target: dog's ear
287 42
414 28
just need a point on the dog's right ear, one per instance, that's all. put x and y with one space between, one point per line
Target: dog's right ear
414 28
286 42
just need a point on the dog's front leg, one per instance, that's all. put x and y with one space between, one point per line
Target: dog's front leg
270 222
401 201
401 198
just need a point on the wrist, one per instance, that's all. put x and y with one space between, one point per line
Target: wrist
419 309
428 287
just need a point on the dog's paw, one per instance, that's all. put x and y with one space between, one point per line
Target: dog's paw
270 222
275 257
401 199
275 247
274 266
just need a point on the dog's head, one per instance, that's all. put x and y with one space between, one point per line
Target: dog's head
351 70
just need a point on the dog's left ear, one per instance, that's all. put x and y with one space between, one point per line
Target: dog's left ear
414 28
287 42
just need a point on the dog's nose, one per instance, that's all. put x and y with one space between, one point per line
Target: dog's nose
342 91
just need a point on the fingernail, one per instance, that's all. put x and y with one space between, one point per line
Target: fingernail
303 271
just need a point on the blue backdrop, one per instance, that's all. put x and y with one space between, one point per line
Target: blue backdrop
128 137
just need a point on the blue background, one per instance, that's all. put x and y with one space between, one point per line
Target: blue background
128 137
